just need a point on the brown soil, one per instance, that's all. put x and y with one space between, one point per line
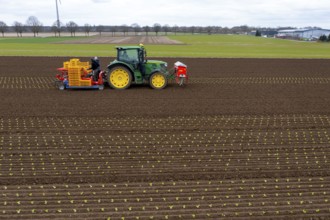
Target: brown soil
245 139
218 86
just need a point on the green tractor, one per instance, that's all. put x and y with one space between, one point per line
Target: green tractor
132 67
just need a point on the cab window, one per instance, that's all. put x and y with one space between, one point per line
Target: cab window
129 56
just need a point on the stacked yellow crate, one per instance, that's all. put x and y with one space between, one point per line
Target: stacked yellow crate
66 65
84 66
75 70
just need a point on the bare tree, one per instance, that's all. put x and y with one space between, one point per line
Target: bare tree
56 29
114 29
34 25
146 29
72 28
217 29
244 29
209 30
124 29
157 28
3 28
175 29
192 29
236 29
200 29
225 30
100 29
166 28
19 28
136 28
184 29
87 29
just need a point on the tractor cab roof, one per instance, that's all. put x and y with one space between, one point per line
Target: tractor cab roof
128 47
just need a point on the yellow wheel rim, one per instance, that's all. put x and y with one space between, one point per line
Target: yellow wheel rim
119 78
158 80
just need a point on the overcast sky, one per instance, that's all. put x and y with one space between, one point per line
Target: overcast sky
229 13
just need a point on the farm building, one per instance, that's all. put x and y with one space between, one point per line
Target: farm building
309 34
265 33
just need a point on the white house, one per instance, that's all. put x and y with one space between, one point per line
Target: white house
309 34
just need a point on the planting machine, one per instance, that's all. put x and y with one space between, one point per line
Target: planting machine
130 67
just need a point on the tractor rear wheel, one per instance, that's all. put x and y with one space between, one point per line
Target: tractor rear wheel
158 80
119 77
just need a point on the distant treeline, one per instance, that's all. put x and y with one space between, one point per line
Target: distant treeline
324 38
33 25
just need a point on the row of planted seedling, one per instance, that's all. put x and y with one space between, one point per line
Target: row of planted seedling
58 124
262 80
256 197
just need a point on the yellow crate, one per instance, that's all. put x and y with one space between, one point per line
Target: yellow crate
74 79
85 65
66 65
74 70
75 73
74 82
74 62
85 82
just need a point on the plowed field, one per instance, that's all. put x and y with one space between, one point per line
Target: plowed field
245 139
109 39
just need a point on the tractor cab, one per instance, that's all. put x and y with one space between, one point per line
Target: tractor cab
133 56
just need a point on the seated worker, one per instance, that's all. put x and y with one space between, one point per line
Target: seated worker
123 56
96 69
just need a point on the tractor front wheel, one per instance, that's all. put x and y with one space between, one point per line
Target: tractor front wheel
158 80
119 77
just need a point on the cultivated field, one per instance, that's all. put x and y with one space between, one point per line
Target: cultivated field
245 139
123 40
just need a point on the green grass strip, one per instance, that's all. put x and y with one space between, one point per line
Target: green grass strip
208 46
